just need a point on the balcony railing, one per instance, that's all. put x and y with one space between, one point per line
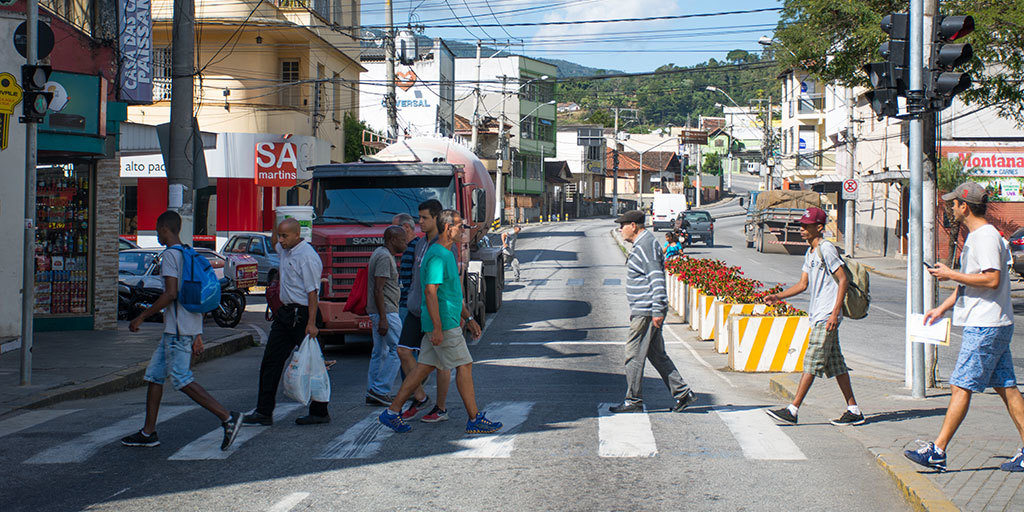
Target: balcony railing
321 7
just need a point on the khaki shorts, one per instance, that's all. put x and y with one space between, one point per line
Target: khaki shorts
451 353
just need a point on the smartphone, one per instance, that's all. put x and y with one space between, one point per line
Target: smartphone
926 264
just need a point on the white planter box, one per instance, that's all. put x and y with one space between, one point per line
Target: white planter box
768 343
722 313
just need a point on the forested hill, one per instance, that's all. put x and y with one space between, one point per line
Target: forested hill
674 95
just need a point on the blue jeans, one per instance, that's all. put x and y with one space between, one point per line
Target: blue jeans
173 356
984 360
384 362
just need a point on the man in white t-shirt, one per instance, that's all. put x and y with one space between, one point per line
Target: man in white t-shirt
824 275
981 304
182 337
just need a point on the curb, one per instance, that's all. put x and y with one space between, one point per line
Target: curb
126 378
920 492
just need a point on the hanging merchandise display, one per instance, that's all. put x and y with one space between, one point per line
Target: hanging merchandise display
62 240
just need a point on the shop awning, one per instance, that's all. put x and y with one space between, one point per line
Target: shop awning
825 178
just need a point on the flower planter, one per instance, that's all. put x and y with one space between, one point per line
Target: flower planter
768 343
676 291
691 306
722 313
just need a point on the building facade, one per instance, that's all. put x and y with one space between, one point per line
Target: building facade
804 148
425 92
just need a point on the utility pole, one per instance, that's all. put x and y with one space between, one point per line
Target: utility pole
28 256
180 167
390 98
474 140
916 189
503 153
851 161
615 165
928 190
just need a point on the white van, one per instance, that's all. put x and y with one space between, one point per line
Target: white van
666 208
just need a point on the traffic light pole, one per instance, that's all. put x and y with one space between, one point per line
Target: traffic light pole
180 154
916 93
28 282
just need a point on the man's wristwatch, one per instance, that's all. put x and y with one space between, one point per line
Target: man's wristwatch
469 318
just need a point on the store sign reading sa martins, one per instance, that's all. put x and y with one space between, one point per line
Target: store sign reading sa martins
277 164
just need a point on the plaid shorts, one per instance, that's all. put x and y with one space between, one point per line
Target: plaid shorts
823 357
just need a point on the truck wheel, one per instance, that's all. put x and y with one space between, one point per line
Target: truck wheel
492 296
759 240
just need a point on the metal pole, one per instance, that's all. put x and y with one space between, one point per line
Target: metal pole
180 165
700 169
390 99
640 186
916 192
476 104
28 282
851 162
928 190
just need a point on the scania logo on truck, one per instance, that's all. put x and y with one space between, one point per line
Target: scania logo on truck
366 240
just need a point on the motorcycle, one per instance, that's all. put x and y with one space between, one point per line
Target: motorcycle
132 300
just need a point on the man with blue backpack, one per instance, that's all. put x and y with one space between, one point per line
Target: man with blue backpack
190 289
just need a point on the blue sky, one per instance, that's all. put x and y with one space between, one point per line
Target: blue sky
627 46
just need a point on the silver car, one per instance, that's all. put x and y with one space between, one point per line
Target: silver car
258 246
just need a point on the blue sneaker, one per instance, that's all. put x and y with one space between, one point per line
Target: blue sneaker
393 421
482 425
927 456
1014 465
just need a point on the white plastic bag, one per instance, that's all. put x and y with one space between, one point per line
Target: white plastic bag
305 377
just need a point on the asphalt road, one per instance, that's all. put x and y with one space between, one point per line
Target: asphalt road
874 344
547 366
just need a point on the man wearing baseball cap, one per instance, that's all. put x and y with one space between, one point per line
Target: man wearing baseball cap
648 304
981 304
823 273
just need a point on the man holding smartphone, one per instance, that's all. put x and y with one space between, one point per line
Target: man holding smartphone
981 304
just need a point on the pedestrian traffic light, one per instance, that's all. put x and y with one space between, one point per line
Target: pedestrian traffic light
943 82
36 98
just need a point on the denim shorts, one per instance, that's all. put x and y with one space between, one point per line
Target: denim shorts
173 356
984 359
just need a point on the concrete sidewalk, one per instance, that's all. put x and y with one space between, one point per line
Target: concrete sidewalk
894 421
80 364
896 268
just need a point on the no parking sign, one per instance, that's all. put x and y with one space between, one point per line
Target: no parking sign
850 189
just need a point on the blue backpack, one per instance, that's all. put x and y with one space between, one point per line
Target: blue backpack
198 288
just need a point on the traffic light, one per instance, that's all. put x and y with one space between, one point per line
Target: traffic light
942 82
36 99
890 79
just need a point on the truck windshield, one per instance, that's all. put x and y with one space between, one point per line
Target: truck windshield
376 200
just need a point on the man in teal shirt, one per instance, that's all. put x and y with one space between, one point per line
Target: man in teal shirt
443 312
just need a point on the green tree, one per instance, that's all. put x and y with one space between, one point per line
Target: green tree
848 33
353 137
712 164
601 117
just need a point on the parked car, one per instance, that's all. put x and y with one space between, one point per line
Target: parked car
1017 251
258 246
699 225
123 244
140 264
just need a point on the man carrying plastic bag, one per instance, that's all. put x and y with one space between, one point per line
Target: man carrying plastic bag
305 378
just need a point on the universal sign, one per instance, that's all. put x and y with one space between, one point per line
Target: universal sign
996 165
277 164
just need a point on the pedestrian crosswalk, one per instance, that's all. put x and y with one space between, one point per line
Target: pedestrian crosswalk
754 435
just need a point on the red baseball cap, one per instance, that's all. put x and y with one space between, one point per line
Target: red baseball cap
814 216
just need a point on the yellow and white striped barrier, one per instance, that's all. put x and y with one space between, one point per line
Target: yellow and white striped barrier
691 306
768 343
722 313
706 308
676 291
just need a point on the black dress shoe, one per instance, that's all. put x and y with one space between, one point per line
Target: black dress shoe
627 407
256 418
684 402
312 419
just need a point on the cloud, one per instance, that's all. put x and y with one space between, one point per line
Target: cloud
602 9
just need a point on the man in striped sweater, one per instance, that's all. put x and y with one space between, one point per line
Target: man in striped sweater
648 304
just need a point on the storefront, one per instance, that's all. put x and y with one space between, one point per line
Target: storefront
249 175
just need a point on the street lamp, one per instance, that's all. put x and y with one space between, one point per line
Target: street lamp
640 185
515 198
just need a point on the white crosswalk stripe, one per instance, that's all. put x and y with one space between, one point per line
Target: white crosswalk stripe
759 436
625 435
31 419
497 446
82 447
207 447
360 441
